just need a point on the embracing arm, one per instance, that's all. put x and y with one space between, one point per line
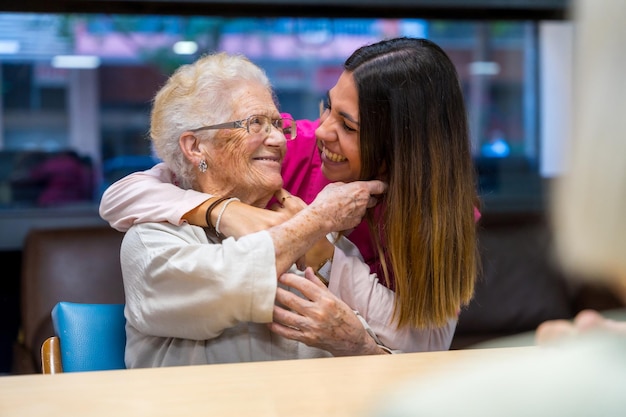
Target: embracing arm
151 196
147 196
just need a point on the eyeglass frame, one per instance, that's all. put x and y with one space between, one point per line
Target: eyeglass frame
239 124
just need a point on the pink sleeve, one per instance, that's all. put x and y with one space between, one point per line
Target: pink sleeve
147 196
351 281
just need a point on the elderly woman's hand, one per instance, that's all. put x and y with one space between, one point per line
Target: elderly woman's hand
342 205
287 204
337 207
319 319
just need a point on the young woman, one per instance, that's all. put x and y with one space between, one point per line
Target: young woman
396 114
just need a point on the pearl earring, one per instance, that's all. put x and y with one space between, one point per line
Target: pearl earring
202 166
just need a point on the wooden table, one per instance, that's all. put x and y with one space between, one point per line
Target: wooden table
307 387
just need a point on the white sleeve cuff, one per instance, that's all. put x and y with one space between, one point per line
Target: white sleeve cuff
369 331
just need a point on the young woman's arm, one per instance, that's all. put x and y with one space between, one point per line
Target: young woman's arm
151 196
147 196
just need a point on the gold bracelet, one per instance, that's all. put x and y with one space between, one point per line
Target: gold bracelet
324 279
321 264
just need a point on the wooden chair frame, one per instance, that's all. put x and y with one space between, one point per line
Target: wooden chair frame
51 362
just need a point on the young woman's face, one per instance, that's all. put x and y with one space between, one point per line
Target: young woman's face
338 132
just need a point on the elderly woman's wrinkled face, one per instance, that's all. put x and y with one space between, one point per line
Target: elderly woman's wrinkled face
242 164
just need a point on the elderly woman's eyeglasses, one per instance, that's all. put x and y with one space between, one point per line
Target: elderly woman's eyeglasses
258 124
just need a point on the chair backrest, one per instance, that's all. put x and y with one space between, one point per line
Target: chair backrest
92 336
79 265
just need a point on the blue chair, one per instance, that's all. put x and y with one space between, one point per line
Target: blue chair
89 337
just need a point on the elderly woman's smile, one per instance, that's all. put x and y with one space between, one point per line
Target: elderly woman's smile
272 156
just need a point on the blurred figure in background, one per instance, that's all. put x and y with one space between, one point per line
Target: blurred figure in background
66 177
49 179
584 375
590 203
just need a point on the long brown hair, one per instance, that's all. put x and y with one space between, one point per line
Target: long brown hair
414 135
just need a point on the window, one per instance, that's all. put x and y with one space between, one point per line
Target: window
77 89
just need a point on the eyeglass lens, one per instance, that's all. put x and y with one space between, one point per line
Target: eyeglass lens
258 124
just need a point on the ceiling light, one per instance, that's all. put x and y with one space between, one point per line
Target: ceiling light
484 68
76 61
185 47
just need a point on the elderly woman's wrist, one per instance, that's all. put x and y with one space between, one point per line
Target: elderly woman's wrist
322 222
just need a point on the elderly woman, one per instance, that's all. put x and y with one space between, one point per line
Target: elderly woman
193 297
